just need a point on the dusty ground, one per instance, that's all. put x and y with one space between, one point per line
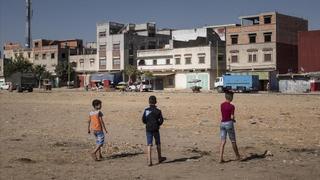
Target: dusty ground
43 136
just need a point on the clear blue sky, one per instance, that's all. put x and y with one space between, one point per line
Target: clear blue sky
66 19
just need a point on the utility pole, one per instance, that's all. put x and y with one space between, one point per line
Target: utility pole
69 68
28 24
217 58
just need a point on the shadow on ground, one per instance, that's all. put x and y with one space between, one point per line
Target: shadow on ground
184 159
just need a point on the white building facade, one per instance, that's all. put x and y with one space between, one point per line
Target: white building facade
174 68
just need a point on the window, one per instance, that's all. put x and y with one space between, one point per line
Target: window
52 55
188 60
142 62
234 39
267 19
131 60
234 58
44 56
154 62
91 62
220 58
102 47
267 57
102 34
201 60
36 44
170 82
116 63
102 64
63 55
252 38
116 46
81 62
167 61
252 58
178 60
267 37
29 54
36 56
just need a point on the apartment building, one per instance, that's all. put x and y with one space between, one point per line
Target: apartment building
194 57
45 52
264 44
117 43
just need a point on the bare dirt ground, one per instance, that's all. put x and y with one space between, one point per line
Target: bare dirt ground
44 136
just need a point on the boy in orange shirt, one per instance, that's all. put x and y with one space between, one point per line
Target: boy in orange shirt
97 126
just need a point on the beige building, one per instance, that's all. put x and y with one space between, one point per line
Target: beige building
45 52
86 65
264 44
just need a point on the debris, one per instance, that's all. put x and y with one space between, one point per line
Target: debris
268 153
26 160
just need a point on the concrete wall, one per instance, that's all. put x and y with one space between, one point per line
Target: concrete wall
188 34
294 86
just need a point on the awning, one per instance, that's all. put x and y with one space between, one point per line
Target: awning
163 74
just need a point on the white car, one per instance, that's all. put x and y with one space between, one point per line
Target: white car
144 86
4 86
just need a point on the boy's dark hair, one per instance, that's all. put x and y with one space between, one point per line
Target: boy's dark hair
152 100
96 103
229 96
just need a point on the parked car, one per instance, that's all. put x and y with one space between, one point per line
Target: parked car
4 86
140 86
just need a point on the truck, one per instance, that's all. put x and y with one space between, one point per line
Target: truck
237 83
22 81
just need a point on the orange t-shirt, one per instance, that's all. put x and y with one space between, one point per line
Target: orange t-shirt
95 120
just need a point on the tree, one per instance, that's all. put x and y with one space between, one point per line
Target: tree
130 71
19 64
41 73
61 71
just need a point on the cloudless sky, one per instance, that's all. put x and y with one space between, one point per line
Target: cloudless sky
67 19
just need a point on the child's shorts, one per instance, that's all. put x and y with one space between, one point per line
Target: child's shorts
227 128
99 137
153 134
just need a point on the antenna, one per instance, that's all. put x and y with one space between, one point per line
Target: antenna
28 24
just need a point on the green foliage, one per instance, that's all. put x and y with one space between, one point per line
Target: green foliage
131 71
148 74
61 71
19 64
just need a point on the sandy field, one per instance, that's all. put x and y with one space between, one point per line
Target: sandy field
44 136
